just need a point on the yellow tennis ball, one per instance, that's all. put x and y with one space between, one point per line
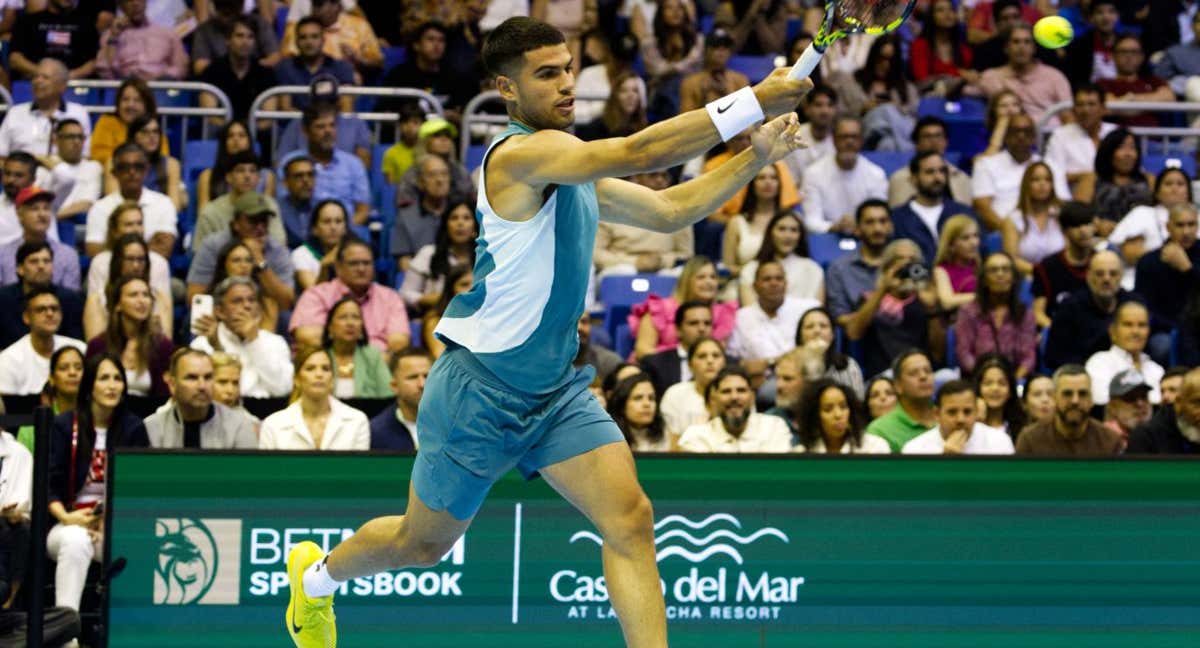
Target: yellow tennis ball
1053 32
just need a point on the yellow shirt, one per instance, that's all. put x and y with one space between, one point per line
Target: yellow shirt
396 160
109 133
350 34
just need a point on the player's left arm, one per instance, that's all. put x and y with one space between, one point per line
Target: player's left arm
677 207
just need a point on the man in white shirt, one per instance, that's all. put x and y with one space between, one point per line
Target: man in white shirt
958 431
25 364
1129 332
820 107
766 329
996 180
836 184
191 419
130 166
235 328
29 126
735 427
16 493
75 181
21 170
1071 150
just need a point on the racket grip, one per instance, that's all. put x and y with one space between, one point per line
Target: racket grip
806 64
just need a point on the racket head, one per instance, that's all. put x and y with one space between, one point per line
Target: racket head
845 17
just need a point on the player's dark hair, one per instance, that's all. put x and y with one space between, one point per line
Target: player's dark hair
505 47
952 388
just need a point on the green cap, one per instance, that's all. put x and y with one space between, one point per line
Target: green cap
252 203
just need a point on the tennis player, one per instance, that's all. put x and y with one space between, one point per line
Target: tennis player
504 394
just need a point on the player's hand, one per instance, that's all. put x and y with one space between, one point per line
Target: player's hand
778 94
776 138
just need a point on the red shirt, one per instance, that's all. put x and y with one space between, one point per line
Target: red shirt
923 62
1116 88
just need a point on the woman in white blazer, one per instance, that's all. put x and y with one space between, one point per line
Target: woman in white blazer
315 420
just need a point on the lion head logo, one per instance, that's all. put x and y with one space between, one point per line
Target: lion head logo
186 565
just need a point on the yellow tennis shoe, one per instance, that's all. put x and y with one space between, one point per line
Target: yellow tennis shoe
310 621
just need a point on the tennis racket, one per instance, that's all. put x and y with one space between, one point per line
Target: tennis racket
845 17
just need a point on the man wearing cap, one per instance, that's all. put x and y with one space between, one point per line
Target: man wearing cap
160 217
1129 332
1174 429
272 263
1128 403
1072 431
310 62
35 216
25 364
438 137
715 80
242 178
417 223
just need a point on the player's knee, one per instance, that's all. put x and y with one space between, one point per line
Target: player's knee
634 522
428 554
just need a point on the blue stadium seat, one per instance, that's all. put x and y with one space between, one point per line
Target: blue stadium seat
890 161
993 242
1026 292
22 92
623 341
794 27
415 328
474 156
619 293
964 121
951 353
200 156
1156 163
824 248
393 56
756 68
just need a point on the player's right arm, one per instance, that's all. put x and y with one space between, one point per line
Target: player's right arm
556 157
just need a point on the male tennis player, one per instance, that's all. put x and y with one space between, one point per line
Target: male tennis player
504 394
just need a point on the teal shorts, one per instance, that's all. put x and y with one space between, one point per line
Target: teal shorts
472 429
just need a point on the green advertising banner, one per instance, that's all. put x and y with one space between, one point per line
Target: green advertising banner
753 551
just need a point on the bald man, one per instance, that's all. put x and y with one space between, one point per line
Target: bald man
1174 429
1080 324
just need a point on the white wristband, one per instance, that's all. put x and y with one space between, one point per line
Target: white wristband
735 112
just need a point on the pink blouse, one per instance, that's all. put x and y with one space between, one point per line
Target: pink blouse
962 277
662 315
976 334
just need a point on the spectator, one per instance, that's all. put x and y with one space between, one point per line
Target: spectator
80 445
383 309
310 62
339 175
191 419
924 218
163 172
460 280
399 157
996 182
913 412
1038 400
315 420
787 198
1180 62
789 388
896 315
242 178
34 267
238 71
25 364
130 166
832 421
818 355
625 249
1038 85
212 40
395 428
126 253
929 136
996 388
852 276
1128 405
683 404
604 361
1167 276
766 329
1069 430
995 321
1072 147
604 61
36 217
348 37
417 223
835 184
1146 227
1132 83
671 51
1031 232
745 232
1081 322
1171 383
29 126
61 389
227 378
882 96
940 59
734 426
881 396
654 319
1001 108
983 19
296 204
624 112
75 181
989 45
1129 332
62 31
715 79
360 370
424 69
1089 57
693 321
233 139
131 332
1175 429
134 99
959 431
634 408
1056 277
437 137
820 107
758 29
785 243
1119 182
352 135
19 171
135 47
314 259
235 328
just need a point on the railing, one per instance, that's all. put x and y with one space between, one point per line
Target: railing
479 125
1172 138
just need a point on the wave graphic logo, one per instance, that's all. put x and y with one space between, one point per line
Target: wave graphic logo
695 542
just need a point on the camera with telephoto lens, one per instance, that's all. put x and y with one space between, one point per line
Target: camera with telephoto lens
913 272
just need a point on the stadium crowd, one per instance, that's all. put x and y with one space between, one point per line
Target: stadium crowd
895 287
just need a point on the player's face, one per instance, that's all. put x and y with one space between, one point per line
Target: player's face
544 88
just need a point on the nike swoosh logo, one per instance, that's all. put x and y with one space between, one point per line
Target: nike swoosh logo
295 628
721 111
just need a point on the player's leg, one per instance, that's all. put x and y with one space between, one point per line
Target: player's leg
602 483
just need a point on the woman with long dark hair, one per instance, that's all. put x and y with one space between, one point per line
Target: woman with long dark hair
1119 183
786 243
997 321
831 420
359 370
453 246
81 444
233 137
996 386
633 406
819 355
940 59
133 335
673 51
61 391
314 259
624 112
128 256
879 82
134 99
746 231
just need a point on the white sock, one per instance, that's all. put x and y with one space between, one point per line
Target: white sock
317 581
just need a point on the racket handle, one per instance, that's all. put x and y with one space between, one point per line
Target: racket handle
806 64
